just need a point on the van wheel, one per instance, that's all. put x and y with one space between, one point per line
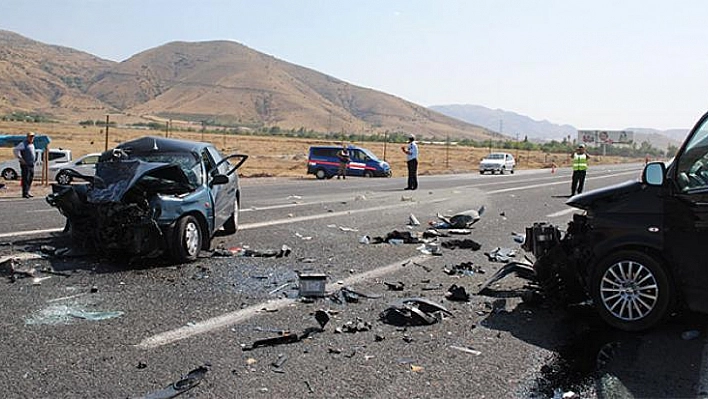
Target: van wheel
631 290
63 178
320 174
186 240
368 173
9 174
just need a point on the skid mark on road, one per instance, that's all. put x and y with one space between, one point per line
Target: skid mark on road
232 318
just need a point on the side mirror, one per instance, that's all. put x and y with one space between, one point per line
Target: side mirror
219 179
654 173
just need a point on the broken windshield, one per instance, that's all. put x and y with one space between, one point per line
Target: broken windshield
187 161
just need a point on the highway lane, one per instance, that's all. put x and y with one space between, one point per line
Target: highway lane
177 317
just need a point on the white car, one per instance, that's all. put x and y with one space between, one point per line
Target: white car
497 162
85 165
10 170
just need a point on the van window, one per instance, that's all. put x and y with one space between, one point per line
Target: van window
693 165
323 152
359 156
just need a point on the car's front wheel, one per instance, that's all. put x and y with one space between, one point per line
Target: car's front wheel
186 240
631 290
9 174
320 174
63 178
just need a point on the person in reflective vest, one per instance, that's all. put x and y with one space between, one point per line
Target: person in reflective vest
580 168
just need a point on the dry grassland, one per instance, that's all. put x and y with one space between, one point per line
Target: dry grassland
286 157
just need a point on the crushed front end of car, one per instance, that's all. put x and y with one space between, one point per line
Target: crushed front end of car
117 211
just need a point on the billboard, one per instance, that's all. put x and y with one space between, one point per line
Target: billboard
598 137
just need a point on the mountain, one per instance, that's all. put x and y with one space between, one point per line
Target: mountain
520 126
220 82
40 78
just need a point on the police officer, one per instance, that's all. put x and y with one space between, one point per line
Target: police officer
580 167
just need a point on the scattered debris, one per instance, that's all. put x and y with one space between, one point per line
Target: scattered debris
433 233
312 284
322 318
304 238
498 254
430 248
67 313
413 221
397 286
365 240
518 238
181 386
357 325
465 268
460 221
463 244
141 365
466 350
416 369
414 312
348 229
348 295
523 270
406 198
279 362
279 288
462 232
94 316
406 237
306 260
284 251
457 293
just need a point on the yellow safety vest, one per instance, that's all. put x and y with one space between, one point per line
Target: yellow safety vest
580 161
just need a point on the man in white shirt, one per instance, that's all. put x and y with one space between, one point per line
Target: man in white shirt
411 150
25 153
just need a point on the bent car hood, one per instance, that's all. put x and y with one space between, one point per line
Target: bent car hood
114 179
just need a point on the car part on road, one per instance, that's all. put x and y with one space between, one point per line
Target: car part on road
181 386
457 293
463 220
414 312
312 285
523 270
413 221
463 244
502 255
465 268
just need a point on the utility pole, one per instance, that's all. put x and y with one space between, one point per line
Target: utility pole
447 152
107 122
385 141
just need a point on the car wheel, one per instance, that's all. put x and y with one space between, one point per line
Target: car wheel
511 171
631 290
320 174
187 240
9 174
63 178
368 173
502 170
231 224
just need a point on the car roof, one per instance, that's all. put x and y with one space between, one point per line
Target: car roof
162 144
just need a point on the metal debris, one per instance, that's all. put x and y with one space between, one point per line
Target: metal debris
498 254
463 244
523 270
406 237
181 386
284 251
397 286
460 221
413 221
457 293
466 350
464 268
358 325
414 312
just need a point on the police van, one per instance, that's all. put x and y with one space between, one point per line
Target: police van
324 163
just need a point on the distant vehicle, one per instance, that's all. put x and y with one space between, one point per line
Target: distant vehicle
497 162
63 172
10 170
323 163
153 196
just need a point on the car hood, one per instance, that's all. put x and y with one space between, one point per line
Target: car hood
114 179
606 197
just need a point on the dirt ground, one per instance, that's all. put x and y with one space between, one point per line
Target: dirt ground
287 157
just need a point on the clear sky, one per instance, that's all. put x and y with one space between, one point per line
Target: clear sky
596 64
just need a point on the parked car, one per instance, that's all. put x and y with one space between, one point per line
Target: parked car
497 162
85 165
151 196
324 163
637 252
10 170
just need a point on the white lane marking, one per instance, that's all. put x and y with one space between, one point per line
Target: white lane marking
30 232
506 190
232 318
562 213
249 226
42 210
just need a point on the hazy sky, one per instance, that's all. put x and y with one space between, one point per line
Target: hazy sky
596 64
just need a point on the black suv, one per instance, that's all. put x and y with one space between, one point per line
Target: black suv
637 250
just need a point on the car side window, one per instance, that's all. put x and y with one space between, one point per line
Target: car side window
216 157
692 170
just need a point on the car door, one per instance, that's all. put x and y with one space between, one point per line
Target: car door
357 163
87 166
686 207
223 195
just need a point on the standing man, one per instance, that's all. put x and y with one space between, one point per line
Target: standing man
343 156
580 168
24 152
411 150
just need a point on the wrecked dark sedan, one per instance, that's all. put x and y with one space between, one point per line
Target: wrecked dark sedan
638 250
153 196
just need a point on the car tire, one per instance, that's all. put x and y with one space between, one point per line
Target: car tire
368 173
9 174
231 224
481 172
502 170
320 174
511 171
63 178
186 240
636 279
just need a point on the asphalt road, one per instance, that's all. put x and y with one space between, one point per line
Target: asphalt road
168 320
